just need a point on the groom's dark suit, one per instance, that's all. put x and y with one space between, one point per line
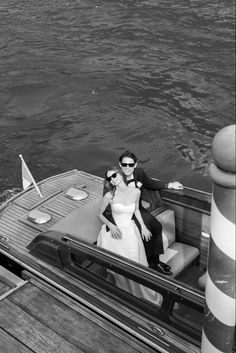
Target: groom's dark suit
154 246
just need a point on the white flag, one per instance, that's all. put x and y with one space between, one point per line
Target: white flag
27 178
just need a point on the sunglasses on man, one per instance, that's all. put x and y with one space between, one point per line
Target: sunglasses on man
128 164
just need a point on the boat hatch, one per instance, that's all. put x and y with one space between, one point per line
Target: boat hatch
38 217
76 194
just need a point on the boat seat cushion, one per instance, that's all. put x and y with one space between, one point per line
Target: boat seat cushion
167 220
179 256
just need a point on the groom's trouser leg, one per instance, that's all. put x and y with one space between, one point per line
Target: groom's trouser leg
153 247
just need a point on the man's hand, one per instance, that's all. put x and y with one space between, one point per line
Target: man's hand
115 232
146 234
175 185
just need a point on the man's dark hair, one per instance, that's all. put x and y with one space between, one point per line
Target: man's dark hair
129 155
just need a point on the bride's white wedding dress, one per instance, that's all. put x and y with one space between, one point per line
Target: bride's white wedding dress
130 246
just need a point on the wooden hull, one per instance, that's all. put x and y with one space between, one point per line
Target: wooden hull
161 331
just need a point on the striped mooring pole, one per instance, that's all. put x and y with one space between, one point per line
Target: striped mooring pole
220 309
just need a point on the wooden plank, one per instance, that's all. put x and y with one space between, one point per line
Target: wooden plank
20 233
39 227
62 181
55 217
3 288
9 344
91 315
31 202
28 200
6 246
67 323
31 225
61 206
9 278
15 226
64 206
13 208
32 333
77 306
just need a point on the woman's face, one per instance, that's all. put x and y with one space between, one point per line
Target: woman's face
114 177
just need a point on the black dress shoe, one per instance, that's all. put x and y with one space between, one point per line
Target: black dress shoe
160 268
166 267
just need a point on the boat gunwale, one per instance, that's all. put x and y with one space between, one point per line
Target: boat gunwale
31 187
90 304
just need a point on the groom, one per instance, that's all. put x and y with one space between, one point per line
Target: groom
136 177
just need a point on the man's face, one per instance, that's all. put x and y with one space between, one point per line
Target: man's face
128 165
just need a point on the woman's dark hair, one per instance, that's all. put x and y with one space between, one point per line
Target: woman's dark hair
107 186
129 155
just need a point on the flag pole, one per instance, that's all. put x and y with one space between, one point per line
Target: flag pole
31 176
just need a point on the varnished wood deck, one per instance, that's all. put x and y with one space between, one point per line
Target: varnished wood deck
13 222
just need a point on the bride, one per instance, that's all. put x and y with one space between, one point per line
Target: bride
124 238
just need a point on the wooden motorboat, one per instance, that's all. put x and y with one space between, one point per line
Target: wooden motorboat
53 238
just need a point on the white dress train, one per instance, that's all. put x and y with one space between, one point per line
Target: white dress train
130 246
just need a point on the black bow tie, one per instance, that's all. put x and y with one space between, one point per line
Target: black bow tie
130 181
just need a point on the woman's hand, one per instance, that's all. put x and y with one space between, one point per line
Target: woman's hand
115 231
146 234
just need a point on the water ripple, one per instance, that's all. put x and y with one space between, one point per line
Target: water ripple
76 76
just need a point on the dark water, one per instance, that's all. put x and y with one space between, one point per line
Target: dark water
80 81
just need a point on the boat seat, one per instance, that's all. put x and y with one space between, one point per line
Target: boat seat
85 224
176 254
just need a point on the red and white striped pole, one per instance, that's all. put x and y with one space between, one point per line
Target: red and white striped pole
220 309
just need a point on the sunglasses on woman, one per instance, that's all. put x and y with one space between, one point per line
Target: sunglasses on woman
127 164
113 176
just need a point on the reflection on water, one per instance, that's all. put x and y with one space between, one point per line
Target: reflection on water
83 80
